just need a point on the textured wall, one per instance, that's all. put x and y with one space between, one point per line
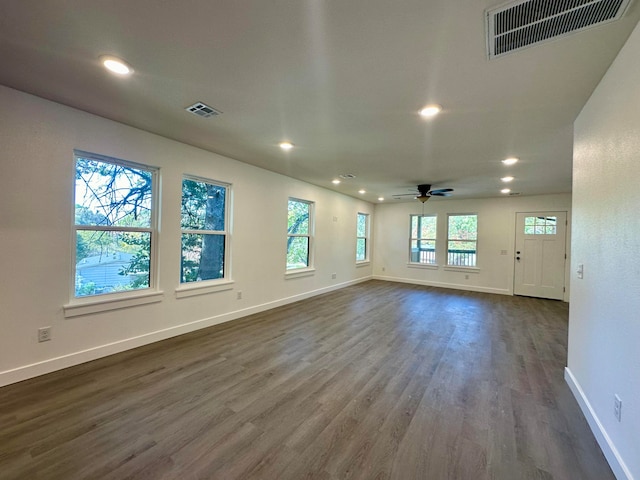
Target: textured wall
604 327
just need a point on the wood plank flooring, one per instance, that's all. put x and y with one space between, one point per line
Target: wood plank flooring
375 381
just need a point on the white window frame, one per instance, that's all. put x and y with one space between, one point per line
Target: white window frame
452 266
418 238
217 284
87 304
309 236
365 237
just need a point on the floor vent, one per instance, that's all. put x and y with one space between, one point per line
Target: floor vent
528 22
203 110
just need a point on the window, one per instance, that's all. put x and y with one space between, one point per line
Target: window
462 240
540 225
422 246
299 234
115 225
362 237
204 230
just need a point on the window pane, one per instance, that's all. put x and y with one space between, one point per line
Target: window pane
550 230
203 205
361 249
529 230
423 251
463 227
297 252
361 225
551 220
462 254
428 229
202 257
298 218
530 220
111 261
112 194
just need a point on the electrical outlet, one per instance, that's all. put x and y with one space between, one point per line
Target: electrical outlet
503 252
617 407
44 334
333 276
580 270
238 295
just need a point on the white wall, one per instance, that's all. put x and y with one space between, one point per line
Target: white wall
496 232
37 138
604 322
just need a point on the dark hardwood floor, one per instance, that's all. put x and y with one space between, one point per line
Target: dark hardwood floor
375 381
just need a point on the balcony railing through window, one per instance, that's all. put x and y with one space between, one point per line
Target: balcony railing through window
461 258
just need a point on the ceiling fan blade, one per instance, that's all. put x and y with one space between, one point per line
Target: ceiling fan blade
440 194
440 190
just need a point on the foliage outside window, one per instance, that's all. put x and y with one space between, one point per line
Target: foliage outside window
204 234
540 225
462 240
422 246
299 234
115 225
362 240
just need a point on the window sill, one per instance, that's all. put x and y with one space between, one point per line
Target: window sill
202 288
427 266
453 268
363 263
301 272
97 305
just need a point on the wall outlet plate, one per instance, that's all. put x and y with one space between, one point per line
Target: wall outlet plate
44 334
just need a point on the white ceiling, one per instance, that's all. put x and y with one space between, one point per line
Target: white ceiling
341 79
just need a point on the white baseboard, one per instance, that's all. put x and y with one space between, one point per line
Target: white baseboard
609 450
455 286
25 372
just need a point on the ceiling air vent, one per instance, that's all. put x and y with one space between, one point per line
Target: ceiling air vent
527 22
203 110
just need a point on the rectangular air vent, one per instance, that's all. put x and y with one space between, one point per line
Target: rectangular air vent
203 110
527 22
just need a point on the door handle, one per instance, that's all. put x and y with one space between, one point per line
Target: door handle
518 258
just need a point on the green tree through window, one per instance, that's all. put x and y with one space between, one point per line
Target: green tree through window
114 224
204 235
299 228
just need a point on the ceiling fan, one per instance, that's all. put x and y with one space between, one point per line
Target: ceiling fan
424 193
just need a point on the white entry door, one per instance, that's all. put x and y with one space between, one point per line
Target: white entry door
540 254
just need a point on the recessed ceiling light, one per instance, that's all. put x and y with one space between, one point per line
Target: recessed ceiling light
507 179
362 191
381 199
510 161
505 190
335 181
430 111
286 145
116 65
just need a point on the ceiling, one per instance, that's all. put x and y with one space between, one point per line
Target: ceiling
342 80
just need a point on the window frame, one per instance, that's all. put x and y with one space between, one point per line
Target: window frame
418 238
226 278
81 305
310 238
367 235
449 239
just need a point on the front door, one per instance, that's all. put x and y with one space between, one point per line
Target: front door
540 254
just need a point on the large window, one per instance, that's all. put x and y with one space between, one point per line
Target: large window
423 239
362 237
115 225
462 240
204 230
299 234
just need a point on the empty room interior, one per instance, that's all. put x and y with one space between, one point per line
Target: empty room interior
319 239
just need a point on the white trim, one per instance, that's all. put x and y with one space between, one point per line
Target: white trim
47 366
363 263
457 268
99 303
428 266
454 286
202 288
300 272
620 469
